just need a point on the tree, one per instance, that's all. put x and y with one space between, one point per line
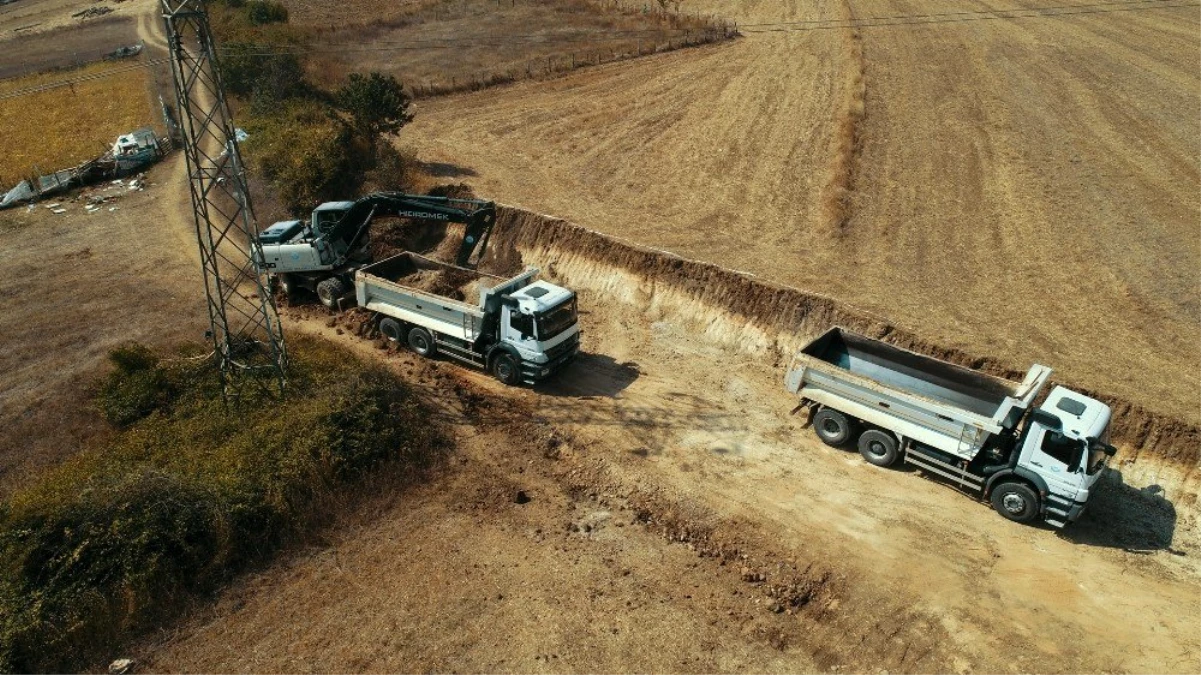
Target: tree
377 104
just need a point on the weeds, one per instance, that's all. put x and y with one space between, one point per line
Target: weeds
185 495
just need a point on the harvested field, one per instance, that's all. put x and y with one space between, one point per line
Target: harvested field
67 47
62 127
453 45
1023 188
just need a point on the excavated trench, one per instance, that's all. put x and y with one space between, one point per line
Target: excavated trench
743 313
753 317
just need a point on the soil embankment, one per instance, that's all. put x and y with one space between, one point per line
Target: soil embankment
752 316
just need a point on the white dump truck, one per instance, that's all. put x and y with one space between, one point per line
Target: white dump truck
982 433
520 329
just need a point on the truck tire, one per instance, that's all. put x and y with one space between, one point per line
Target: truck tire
330 291
422 342
878 447
1016 501
506 369
391 329
833 427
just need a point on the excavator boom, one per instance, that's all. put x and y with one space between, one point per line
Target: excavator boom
477 215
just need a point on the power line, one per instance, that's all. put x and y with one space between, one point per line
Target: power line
988 13
962 17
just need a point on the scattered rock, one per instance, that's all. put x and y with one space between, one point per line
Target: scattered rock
521 497
775 608
121 666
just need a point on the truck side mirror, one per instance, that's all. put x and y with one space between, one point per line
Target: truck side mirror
1047 420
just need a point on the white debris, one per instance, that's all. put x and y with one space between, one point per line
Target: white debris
53 206
111 209
58 210
118 182
121 666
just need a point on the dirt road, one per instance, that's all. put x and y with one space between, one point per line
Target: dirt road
1020 187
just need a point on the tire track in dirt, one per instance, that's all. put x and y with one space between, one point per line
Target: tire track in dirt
849 138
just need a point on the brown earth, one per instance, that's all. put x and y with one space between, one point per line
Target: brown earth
67 47
79 284
674 417
1025 188
23 19
662 418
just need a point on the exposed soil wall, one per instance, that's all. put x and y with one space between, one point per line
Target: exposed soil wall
742 312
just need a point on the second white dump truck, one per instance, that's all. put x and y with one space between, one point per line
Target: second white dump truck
982 433
520 330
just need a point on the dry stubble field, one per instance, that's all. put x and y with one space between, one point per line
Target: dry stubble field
1022 188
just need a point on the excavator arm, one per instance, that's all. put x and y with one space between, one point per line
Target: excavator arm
478 216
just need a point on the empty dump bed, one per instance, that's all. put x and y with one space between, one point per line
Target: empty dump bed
906 371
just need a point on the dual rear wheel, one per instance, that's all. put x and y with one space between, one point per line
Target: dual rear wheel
1016 501
503 366
837 429
419 339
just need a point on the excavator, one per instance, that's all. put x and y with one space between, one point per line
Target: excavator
322 255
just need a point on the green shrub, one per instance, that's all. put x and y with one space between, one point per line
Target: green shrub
263 12
120 537
306 153
135 388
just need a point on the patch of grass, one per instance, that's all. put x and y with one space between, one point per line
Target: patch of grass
62 127
119 538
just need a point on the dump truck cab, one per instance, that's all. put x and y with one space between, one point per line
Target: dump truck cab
538 321
1065 448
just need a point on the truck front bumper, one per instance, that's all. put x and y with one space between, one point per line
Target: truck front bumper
533 372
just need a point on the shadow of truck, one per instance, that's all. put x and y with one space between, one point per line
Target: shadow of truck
1137 520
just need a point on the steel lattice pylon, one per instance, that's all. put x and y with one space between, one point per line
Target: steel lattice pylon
245 329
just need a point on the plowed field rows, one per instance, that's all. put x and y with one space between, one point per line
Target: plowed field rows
1019 184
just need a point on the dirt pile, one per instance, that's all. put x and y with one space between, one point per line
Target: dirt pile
456 284
740 312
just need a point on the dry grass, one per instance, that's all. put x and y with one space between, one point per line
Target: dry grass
471 44
62 127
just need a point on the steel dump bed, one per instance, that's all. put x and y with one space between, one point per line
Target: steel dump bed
941 404
423 291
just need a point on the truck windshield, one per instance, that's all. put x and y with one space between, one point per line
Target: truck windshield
556 320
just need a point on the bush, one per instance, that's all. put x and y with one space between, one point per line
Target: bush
134 389
258 71
118 539
307 154
263 12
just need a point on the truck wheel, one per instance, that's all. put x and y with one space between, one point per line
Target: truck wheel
1015 501
878 447
330 291
505 368
421 342
833 427
391 328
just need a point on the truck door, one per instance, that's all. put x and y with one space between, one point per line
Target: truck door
517 329
1055 457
